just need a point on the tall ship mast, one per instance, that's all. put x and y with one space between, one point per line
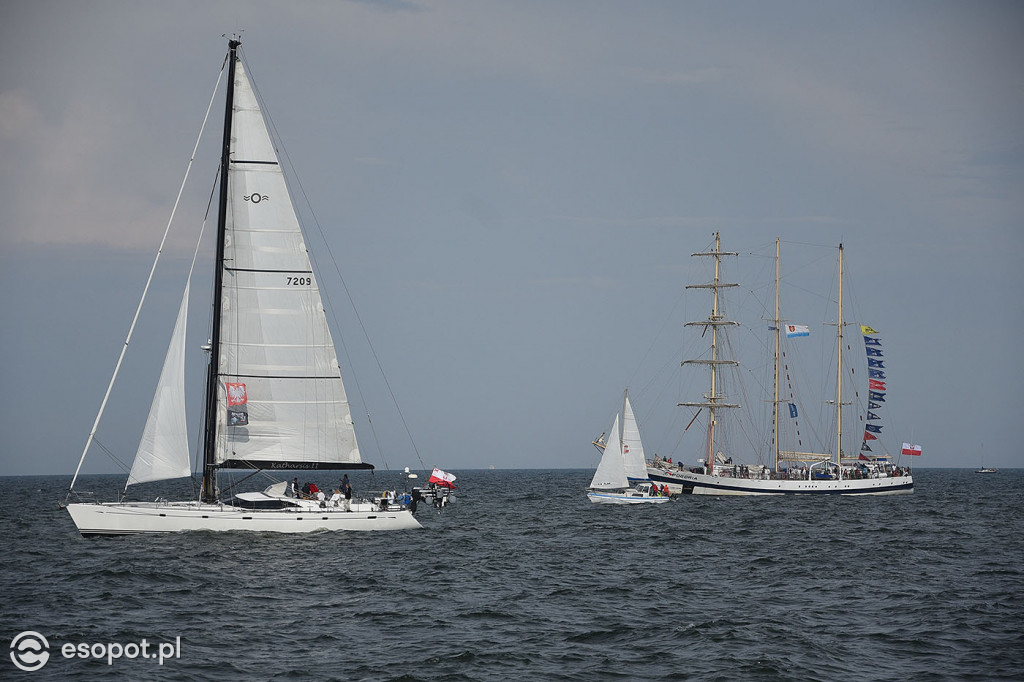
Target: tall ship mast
792 471
713 399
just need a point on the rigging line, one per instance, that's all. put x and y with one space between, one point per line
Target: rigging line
344 285
149 280
117 460
657 335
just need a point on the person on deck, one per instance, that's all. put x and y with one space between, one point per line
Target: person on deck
347 492
336 499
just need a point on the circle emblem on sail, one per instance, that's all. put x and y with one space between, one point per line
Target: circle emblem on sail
256 197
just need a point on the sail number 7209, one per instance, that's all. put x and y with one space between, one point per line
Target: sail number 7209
299 281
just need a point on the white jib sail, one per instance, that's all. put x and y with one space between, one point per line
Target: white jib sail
163 450
611 472
287 403
632 448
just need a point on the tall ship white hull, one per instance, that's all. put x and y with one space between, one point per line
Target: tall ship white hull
688 482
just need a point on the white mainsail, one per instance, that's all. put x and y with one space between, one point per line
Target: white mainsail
286 402
632 449
163 450
611 472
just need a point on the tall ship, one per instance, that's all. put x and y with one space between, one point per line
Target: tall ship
853 466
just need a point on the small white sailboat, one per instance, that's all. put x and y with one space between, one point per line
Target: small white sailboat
794 472
274 397
984 469
620 454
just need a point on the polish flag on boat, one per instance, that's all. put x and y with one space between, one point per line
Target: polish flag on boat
236 394
909 449
442 478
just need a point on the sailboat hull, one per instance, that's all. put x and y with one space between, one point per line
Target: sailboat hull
702 484
173 517
623 498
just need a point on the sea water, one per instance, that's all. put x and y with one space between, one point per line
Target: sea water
524 579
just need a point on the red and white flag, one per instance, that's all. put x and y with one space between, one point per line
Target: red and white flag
442 478
910 449
236 394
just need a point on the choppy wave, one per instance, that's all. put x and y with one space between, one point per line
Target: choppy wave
523 578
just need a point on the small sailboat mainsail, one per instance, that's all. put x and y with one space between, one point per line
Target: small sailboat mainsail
632 447
274 395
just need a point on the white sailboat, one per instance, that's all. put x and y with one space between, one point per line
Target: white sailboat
621 454
274 397
984 469
794 473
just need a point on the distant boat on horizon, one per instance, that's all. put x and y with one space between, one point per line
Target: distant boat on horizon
984 469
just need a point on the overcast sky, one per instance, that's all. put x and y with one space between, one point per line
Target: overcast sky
512 191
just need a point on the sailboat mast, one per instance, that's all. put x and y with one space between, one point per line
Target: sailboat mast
778 335
209 491
622 433
839 372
